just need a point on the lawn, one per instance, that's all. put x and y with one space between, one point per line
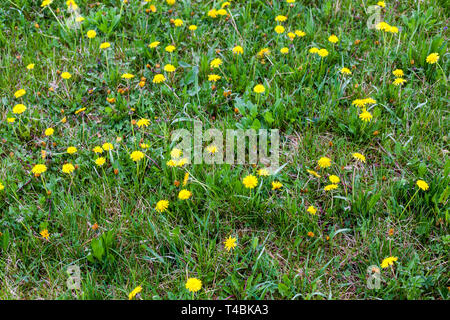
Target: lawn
98 201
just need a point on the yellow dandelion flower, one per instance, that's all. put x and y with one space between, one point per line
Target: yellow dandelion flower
170 48
422 185
280 18
259 88
314 173
333 38
250 181
100 161
334 179
216 63
68 168
143 122
276 185
346 71
212 13
178 22
399 81
107 146
19 108
158 78
127 76
238 50
212 149
433 58
398 73
359 156
91 34
133 293
279 29
44 233
66 75
311 210
366 116
388 262
300 33
230 243
97 149
193 284
330 187
49 131
39 169
184 194
19 93
214 77
176 153
263 52
169 68
136 156
154 44
322 52
324 162
162 205
71 150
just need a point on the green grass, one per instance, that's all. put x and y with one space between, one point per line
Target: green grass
306 98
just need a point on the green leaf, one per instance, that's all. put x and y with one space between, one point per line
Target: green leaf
268 117
283 289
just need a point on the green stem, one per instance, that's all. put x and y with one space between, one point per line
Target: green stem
401 215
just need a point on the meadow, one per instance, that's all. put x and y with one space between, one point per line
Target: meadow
97 202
